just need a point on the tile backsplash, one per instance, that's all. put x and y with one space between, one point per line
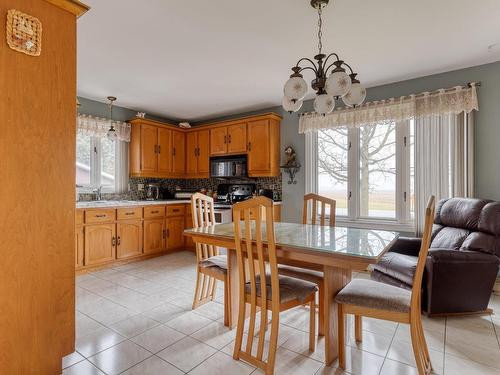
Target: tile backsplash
170 185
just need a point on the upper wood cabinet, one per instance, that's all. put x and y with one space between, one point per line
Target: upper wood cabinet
156 150
218 141
225 140
263 148
237 138
197 153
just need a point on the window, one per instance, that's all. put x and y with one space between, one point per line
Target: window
368 170
96 162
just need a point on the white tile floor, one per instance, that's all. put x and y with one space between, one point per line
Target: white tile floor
137 319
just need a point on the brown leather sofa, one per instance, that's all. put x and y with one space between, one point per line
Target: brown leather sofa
463 259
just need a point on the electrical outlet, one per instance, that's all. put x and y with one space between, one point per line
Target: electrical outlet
140 187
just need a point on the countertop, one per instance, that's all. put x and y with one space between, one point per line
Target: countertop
111 203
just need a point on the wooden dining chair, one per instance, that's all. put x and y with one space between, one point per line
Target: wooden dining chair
314 212
211 266
261 287
382 301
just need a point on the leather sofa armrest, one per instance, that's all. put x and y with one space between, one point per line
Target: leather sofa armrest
461 256
407 246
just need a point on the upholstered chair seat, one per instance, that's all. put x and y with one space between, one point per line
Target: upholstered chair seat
375 295
291 289
219 261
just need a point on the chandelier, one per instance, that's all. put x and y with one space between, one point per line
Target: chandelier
339 84
111 132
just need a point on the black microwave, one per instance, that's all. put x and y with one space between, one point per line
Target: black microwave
228 166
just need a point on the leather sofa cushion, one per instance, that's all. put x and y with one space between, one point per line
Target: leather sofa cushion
399 266
489 220
460 212
449 238
462 256
482 242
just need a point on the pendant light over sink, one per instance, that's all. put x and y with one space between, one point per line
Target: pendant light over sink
111 132
329 88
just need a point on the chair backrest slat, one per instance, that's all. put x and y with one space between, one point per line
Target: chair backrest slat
202 211
312 200
422 256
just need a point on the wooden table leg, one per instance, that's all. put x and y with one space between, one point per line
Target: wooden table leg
335 279
232 272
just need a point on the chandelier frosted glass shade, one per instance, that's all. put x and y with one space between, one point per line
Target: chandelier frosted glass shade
338 84
290 105
356 96
295 88
111 135
324 104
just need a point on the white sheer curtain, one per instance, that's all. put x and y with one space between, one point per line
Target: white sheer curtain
121 166
444 159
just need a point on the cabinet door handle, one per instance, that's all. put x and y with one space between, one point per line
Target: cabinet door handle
155 212
113 241
129 213
195 151
119 240
173 151
164 233
249 146
156 149
103 215
175 210
229 138
159 149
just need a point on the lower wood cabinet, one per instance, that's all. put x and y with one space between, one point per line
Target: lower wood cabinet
154 235
79 246
129 238
100 243
175 236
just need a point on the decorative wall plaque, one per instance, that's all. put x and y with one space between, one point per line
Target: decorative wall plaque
24 33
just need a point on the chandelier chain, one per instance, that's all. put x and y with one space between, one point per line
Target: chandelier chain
320 31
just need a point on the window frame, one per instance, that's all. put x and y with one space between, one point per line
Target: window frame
403 221
95 169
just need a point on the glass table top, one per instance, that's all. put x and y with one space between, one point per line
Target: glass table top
365 243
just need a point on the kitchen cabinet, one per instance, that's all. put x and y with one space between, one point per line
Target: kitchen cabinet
218 141
129 238
163 149
227 140
154 235
156 149
178 153
100 243
175 236
79 246
197 154
237 138
263 148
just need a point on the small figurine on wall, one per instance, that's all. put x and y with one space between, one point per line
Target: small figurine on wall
291 166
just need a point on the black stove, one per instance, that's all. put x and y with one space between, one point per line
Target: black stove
227 194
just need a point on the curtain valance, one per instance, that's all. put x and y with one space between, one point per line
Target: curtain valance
98 127
442 102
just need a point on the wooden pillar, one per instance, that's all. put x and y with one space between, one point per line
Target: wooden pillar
37 192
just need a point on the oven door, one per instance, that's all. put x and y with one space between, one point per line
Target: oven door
223 215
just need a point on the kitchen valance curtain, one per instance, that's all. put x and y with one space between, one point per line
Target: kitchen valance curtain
98 127
442 102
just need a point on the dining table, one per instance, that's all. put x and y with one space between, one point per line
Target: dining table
337 251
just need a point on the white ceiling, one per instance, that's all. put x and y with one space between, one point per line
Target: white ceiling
200 59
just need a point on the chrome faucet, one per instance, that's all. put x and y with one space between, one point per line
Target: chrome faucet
98 193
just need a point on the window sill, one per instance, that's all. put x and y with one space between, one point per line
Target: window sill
375 224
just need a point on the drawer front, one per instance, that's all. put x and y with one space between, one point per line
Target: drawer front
129 213
175 210
79 217
99 216
154 211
